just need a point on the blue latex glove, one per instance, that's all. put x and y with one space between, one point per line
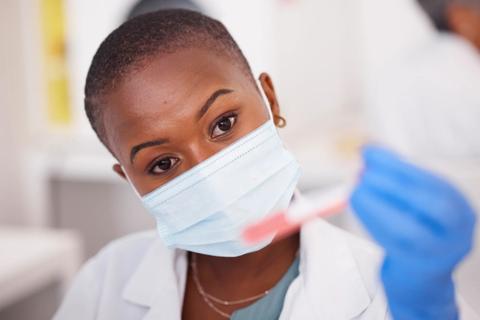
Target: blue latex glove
425 226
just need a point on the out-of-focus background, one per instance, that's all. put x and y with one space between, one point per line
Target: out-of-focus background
346 72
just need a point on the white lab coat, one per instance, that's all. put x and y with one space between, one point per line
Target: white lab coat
137 277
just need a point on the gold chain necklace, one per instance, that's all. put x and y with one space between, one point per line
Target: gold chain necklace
210 300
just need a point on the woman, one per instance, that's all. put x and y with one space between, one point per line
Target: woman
172 97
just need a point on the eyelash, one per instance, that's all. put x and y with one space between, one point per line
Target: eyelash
157 162
230 116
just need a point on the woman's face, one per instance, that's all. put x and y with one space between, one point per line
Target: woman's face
178 111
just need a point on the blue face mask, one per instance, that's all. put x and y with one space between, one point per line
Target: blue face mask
205 209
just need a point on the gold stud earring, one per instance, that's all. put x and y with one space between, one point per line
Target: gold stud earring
279 121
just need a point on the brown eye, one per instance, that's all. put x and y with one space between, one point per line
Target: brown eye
163 165
223 126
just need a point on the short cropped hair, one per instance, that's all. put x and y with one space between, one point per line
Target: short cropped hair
129 46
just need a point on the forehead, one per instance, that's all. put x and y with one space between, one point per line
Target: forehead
165 88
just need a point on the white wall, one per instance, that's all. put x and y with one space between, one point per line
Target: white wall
13 111
317 84
88 23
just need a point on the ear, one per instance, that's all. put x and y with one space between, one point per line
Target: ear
465 21
118 169
267 86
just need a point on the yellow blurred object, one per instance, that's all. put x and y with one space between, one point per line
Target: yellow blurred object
55 62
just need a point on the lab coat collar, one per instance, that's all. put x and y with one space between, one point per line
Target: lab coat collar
332 278
159 282
329 275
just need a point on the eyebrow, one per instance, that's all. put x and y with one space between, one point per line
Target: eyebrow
211 100
138 147
201 112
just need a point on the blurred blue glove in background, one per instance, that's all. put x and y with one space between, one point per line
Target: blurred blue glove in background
425 226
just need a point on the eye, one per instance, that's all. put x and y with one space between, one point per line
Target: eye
163 165
223 125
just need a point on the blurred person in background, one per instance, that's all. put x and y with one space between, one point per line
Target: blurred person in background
173 98
457 17
427 103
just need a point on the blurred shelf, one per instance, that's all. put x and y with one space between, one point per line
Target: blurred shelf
82 167
74 157
33 258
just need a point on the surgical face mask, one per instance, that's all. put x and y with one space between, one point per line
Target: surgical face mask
205 209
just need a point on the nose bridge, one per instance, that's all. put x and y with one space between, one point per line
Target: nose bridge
199 151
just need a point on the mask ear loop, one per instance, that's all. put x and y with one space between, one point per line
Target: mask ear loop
297 195
265 100
282 122
131 183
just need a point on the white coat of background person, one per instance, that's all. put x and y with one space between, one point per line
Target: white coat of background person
426 104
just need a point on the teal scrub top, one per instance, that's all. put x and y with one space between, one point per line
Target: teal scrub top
271 305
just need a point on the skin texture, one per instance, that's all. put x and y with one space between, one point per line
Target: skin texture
161 102
465 21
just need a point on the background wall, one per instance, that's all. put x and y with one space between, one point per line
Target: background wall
12 100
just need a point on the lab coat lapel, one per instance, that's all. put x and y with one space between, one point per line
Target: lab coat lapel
159 283
332 280
329 285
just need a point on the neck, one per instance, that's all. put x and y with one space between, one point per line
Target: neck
257 271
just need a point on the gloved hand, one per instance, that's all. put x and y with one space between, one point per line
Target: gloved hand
425 226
